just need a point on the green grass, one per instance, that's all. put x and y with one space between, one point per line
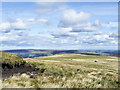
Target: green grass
75 57
69 73
10 58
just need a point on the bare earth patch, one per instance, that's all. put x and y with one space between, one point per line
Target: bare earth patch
51 61
112 59
86 60
66 55
56 56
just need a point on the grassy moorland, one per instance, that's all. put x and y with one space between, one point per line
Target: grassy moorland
68 71
11 59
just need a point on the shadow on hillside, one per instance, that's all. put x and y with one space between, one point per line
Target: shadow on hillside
8 70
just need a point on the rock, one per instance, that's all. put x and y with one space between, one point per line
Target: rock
95 61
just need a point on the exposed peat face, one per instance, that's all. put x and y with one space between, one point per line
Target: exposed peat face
13 64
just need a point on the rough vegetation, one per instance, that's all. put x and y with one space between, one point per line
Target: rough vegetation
11 59
13 64
68 71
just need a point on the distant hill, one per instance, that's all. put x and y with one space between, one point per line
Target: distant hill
33 53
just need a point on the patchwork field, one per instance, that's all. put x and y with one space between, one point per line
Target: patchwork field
67 71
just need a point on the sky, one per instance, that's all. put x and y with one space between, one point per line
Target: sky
59 25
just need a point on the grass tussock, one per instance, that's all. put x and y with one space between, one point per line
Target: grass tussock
74 81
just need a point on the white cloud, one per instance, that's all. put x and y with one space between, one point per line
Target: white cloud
114 42
64 41
78 21
5 27
110 25
63 32
22 24
86 27
30 20
113 34
101 37
18 24
34 21
95 39
77 42
15 38
8 36
71 17
44 22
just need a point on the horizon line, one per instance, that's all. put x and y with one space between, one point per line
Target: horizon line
57 49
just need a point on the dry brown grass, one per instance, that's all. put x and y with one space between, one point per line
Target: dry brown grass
70 71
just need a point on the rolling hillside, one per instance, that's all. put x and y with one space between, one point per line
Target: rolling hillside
68 71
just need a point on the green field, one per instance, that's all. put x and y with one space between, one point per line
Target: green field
68 71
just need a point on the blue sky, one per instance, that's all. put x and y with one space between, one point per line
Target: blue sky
67 25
